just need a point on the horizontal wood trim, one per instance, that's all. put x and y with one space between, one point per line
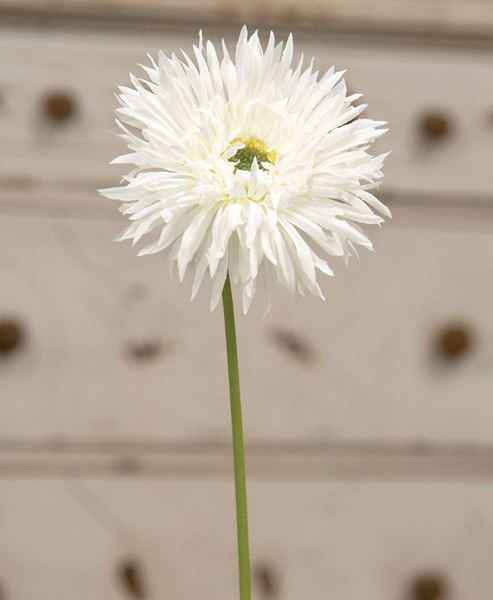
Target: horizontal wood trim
460 16
372 462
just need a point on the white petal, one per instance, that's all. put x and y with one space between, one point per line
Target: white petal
185 119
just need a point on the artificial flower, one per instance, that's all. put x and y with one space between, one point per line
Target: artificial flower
247 163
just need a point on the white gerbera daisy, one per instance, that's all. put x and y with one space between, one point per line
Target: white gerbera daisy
247 164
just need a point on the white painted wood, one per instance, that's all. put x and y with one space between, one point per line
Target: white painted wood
360 366
321 540
120 376
435 15
310 461
401 84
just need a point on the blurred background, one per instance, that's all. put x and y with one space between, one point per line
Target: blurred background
369 418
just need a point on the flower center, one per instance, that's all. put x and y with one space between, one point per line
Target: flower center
253 148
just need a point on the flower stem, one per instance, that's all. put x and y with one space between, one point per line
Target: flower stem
238 446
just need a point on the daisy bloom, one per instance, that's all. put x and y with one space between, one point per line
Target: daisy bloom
248 164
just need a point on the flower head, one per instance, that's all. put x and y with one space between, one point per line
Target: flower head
247 164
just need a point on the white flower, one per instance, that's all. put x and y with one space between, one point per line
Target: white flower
247 164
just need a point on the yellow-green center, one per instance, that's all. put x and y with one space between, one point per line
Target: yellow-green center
253 148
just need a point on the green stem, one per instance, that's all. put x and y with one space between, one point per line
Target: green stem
238 446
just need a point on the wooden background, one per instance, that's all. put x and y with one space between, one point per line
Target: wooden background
431 16
369 417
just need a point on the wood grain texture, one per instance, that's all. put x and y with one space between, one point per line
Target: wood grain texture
437 16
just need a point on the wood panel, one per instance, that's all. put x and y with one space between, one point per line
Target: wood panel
57 107
113 349
312 540
368 417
